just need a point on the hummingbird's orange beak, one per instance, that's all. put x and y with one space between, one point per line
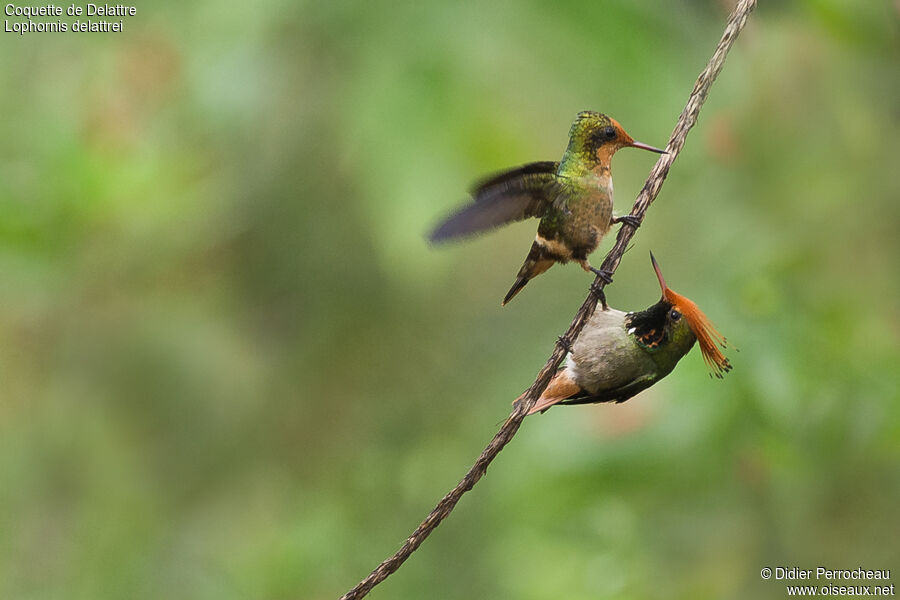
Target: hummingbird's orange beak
659 275
647 147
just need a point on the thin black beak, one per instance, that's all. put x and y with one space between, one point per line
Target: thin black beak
659 275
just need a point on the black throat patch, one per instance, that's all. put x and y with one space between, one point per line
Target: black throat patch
649 326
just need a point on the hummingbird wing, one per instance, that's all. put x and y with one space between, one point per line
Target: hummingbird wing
514 195
617 394
563 390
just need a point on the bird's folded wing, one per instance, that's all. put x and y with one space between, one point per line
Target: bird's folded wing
510 196
617 394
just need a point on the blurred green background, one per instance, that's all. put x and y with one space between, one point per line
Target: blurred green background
232 367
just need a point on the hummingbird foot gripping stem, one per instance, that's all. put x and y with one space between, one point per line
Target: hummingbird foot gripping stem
598 292
565 343
606 276
630 220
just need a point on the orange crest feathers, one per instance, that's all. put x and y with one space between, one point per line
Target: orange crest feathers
707 335
705 332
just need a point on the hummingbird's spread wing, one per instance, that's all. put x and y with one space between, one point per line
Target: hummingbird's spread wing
514 195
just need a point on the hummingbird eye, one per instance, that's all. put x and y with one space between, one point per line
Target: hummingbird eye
609 132
674 315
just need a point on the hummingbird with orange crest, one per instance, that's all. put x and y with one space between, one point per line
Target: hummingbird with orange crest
573 199
620 354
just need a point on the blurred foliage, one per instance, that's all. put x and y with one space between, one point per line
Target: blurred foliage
233 368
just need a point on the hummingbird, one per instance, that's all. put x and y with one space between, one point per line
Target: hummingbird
573 199
620 354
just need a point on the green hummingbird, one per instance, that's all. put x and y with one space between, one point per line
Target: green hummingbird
572 197
620 354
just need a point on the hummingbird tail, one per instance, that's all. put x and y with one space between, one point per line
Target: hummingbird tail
515 289
562 387
536 263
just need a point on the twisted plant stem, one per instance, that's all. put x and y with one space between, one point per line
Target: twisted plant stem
686 121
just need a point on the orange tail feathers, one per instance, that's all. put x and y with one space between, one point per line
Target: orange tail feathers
562 387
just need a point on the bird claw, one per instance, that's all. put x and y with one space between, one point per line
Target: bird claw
598 292
606 276
630 220
564 343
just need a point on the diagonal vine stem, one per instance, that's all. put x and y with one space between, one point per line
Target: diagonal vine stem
647 195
